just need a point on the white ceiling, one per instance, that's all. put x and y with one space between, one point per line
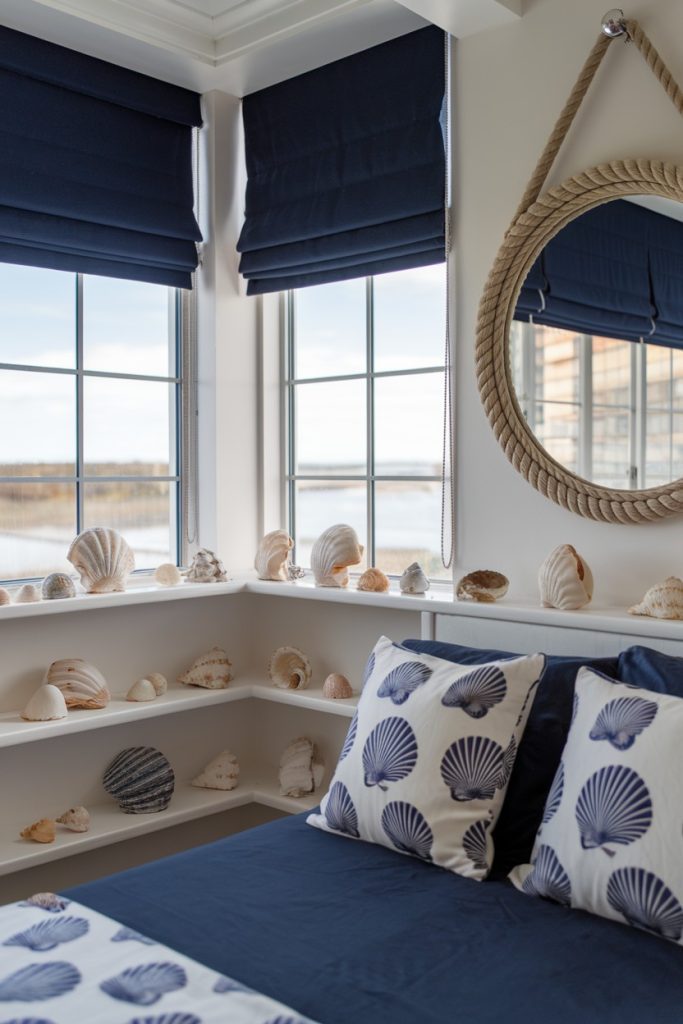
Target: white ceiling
213 8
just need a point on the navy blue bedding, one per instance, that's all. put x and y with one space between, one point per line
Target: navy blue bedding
351 933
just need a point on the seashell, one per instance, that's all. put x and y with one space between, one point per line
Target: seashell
146 984
273 555
206 568
350 737
142 690
295 572
27 594
564 580
548 878
407 829
140 779
333 552
369 667
663 601
475 844
390 752
42 831
57 586
125 934
222 772
401 681
555 795
413 580
46 705
646 902
374 581
76 819
5 596
47 901
484 586
82 684
299 772
290 669
614 806
158 682
210 670
224 984
168 575
102 559
38 982
337 687
509 755
622 720
471 768
340 814
49 933
477 692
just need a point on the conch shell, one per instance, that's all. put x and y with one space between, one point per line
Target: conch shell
337 687
413 580
564 580
374 581
46 705
272 557
290 669
102 559
76 819
211 670
43 831
222 772
334 551
82 685
663 601
484 586
206 568
299 772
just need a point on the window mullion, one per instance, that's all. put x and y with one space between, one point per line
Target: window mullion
80 470
370 414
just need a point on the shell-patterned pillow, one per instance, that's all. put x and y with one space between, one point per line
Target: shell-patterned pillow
429 754
611 841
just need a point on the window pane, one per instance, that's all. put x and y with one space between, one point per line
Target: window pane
38 316
128 327
557 428
142 511
557 356
658 375
658 449
37 525
37 423
320 504
611 447
410 318
612 372
329 325
331 433
126 427
409 425
408 527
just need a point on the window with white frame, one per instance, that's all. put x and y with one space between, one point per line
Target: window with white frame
365 404
89 407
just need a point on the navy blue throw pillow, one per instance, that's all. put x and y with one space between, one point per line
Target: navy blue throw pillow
661 673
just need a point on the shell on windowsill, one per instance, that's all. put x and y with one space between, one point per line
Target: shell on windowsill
142 690
295 572
5 597
662 601
140 779
373 581
46 705
565 580
43 831
57 586
300 773
289 669
222 772
28 594
484 586
211 670
333 552
168 575
82 685
272 557
102 559
76 819
206 568
337 687
413 580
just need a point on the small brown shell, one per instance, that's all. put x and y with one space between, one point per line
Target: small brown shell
374 581
484 586
337 687
43 831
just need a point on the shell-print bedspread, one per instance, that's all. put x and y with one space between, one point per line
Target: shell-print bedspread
62 963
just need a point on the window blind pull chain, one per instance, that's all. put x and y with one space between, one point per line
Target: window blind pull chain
190 478
447 505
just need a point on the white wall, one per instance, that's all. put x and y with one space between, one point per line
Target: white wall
510 85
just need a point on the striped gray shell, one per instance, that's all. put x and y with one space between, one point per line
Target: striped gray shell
140 779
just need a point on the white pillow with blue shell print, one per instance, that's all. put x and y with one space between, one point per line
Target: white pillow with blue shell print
611 841
429 754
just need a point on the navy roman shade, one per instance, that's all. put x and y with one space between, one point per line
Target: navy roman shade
346 168
95 166
616 272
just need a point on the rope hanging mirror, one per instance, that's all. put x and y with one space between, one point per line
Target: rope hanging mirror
526 298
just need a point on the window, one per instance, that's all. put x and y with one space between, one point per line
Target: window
89 399
365 380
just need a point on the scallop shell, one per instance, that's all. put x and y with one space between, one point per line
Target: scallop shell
49 933
43 831
333 552
211 670
140 779
57 586
28 594
484 586
337 687
565 580
82 684
76 819
646 902
145 984
369 667
622 720
102 559
142 690
206 568
413 580
158 682
350 737
663 601
272 557
340 813
475 844
390 753
407 829
471 768
39 981
555 795
548 878
614 806
374 581
402 680
5 597
168 575
477 692
509 756
290 669
299 772
222 772
46 705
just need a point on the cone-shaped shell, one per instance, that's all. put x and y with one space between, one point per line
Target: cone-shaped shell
142 690
484 586
76 819
42 831
334 551
290 669
374 581
102 559
57 586
46 705
222 772
272 557
299 772
564 580
337 687
82 684
211 670
663 601
206 568
27 594
413 580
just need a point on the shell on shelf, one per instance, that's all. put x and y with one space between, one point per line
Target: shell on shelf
43 831
158 682
333 552
413 580
57 586
295 572
663 601
290 669
222 772
211 670
565 580
300 773
76 819
168 575
102 559
82 685
140 779
28 594
142 690
272 557
5 597
484 586
46 705
374 581
337 687
206 568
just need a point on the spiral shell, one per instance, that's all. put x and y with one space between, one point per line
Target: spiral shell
140 779
663 601
340 813
407 829
206 568
548 878
82 685
212 670
374 581
76 819
484 586
337 687
622 720
43 831
413 580
646 902
222 772
471 768
290 669
57 586
102 559
299 773
565 580
46 705
272 557
333 552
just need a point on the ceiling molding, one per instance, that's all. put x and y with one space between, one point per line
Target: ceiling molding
467 17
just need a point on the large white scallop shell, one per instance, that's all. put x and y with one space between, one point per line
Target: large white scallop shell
206 568
565 580
211 670
663 601
334 551
46 705
222 772
82 685
290 669
413 580
102 559
272 557
300 773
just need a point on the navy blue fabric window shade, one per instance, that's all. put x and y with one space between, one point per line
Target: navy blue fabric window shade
95 166
616 272
346 168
